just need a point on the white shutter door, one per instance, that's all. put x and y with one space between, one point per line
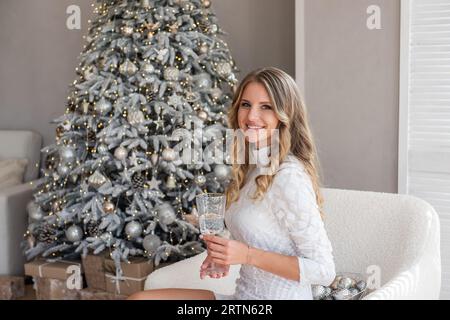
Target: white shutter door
428 175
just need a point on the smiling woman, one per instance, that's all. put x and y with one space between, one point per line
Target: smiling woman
277 234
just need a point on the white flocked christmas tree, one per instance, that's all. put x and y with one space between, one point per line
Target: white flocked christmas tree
116 179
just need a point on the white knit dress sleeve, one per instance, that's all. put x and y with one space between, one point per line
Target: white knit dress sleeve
294 205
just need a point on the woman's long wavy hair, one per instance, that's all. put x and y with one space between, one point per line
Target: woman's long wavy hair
294 133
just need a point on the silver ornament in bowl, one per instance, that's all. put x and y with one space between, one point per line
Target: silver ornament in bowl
171 74
345 283
151 243
318 292
166 214
74 233
121 153
133 229
341 294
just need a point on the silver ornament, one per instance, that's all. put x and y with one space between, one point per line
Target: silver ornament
127 30
135 117
346 283
168 154
221 171
102 148
96 180
67 155
63 170
204 48
341 294
107 238
334 284
151 243
200 179
133 229
203 81
318 292
74 233
166 214
171 74
148 68
154 159
361 285
145 3
128 68
353 292
224 69
202 115
171 183
213 28
34 211
216 93
121 153
103 106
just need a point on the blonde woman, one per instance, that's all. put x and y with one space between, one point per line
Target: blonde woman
273 203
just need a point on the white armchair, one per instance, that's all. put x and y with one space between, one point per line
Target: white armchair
399 234
13 200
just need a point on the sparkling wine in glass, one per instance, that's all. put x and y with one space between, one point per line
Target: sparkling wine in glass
211 211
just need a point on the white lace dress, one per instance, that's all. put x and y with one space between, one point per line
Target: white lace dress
285 221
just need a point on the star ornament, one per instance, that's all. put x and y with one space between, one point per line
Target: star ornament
154 183
175 100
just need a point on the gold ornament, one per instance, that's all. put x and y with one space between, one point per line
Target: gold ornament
206 3
108 207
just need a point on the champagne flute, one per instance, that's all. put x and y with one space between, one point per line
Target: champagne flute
211 211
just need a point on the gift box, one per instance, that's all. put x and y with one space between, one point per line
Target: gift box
93 294
133 276
94 271
54 269
11 288
53 289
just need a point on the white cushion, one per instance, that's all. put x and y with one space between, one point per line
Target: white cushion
11 172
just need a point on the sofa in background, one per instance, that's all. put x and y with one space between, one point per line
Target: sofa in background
16 144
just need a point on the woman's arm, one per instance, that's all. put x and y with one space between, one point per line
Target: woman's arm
231 252
279 264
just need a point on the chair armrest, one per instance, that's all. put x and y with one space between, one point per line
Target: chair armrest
422 280
13 224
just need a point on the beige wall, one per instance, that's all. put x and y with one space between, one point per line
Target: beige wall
352 91
38 54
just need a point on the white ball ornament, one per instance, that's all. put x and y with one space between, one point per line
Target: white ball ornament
133 229
171 74
121 153
74 233
151 243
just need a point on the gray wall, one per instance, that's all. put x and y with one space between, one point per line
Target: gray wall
38 54
351 73
351 79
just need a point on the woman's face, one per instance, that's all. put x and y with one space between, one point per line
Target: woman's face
256 116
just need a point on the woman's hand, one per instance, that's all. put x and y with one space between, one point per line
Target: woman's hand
226 251
207 264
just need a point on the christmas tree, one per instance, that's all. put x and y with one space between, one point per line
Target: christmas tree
116 179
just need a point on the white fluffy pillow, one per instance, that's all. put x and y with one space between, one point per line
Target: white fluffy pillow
12 172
